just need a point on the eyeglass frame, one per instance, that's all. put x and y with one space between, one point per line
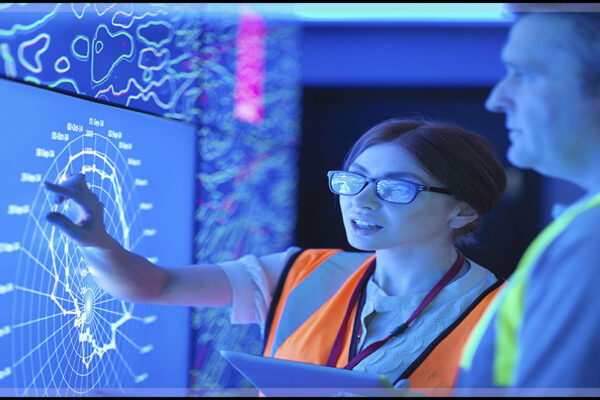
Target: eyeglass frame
420 188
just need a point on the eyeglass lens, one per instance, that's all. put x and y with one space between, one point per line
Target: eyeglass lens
392 190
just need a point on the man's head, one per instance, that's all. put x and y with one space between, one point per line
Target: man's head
551 93
584 20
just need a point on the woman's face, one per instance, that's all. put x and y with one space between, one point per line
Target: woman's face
374 224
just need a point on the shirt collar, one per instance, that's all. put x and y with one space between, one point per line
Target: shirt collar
559 208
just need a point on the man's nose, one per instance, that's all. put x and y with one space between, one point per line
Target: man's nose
498 99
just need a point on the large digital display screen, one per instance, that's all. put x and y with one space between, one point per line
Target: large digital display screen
60 333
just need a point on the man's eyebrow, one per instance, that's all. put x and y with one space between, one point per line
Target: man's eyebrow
513 65
396 175
509 61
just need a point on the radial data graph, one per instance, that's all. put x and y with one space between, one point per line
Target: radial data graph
92 319
64 333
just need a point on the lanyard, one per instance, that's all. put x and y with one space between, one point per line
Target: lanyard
338 343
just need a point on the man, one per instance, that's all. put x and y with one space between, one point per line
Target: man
540 336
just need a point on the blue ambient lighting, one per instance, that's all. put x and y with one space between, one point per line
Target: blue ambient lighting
401 11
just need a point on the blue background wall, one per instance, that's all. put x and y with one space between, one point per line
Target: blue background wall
400 54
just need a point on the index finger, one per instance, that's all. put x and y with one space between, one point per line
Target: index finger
66 191
81 196
72 180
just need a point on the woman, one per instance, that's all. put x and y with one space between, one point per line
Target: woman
409 191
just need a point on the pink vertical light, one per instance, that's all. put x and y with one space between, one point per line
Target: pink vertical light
248 93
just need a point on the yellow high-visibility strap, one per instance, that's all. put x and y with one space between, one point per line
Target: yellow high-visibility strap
510 303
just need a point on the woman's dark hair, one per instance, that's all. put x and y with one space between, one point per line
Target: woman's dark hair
463 161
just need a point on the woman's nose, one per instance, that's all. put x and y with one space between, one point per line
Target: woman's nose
367 197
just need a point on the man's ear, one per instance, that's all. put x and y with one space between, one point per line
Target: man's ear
463 215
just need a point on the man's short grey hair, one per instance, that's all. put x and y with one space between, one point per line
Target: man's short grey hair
585 20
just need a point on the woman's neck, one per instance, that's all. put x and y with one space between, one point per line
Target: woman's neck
411 270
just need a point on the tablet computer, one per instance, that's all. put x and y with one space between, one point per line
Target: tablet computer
276 377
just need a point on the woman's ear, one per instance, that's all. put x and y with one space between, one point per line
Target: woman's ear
463 215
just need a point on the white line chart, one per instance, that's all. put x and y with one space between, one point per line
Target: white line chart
67 333
60 333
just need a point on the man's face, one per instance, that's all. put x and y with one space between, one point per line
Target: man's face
549 116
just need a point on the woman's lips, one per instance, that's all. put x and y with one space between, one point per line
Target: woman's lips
364 226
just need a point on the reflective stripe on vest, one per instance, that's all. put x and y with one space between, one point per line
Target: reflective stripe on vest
319 284
437 366
509 305
312 304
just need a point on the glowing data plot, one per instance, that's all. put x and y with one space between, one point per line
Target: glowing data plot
62 330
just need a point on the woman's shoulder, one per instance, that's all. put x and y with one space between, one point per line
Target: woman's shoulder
477 279
477 271
334 255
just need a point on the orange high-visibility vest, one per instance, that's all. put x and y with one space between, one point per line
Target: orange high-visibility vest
310 303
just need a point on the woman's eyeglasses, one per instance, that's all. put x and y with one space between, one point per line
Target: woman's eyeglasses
396 191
